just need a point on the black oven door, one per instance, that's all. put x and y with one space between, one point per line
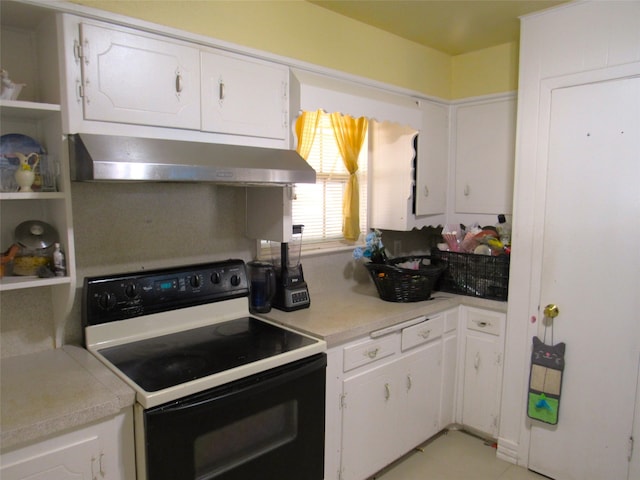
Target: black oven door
267 426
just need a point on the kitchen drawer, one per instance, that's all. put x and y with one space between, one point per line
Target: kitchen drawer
483 321
422 332
369 351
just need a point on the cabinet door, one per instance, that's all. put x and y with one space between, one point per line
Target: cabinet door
421 373
74 461
134 78
104 450
433 150
392 153
244 97
482 370
370 425
484 155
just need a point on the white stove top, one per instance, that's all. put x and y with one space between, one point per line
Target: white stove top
255 345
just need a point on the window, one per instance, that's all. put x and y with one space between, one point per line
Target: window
319 206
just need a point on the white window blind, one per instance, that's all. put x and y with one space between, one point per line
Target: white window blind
319 206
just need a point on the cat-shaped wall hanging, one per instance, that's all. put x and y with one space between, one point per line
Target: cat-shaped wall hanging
545 381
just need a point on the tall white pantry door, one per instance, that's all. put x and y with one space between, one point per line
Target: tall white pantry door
591 271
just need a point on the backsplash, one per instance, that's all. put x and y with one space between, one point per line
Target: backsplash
132 226
122 227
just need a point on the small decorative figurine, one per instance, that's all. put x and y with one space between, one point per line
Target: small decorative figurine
8 89
25 175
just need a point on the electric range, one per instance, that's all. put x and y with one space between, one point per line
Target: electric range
175 332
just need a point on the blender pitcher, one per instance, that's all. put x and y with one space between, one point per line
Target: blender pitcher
262 281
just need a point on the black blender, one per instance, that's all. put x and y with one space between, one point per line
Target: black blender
291 289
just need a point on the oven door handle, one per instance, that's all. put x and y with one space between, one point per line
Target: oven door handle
272 379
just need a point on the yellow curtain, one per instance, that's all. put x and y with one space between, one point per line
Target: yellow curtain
306 126
350 133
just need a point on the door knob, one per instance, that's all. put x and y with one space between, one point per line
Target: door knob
551 311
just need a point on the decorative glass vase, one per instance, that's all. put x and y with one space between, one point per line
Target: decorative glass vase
24 179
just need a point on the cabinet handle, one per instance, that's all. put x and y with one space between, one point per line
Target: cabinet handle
476 361
409 383
387 391
372 353
99 462
467 190
221 90
179 84
426 191
425 334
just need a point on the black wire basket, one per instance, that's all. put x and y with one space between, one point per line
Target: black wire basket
482 276
396 284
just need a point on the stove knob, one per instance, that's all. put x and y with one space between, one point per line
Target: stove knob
106 301
131 290
235 280
195 281
215 278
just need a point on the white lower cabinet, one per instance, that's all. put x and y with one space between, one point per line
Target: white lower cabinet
372 404
482 377
388 410
394 389
389 400
102 451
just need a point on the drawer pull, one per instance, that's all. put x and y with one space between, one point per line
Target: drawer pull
373 353
483 324
387 391
425 334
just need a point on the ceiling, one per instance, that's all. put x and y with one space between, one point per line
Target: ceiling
450 26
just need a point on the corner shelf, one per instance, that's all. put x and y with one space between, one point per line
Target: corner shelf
32 196
33 110
17 283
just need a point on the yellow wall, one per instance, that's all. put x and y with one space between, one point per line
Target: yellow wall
491 70
303 31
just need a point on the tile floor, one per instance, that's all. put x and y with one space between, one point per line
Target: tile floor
455 455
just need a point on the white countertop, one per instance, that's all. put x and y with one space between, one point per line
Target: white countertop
48 392
338 316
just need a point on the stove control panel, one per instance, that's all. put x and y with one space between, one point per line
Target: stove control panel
118 297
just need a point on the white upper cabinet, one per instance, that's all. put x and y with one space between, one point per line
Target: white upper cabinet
122 81
409 170
433 160
131 77
484 146
392 155
244 96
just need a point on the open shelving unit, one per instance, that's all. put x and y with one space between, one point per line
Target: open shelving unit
30 54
